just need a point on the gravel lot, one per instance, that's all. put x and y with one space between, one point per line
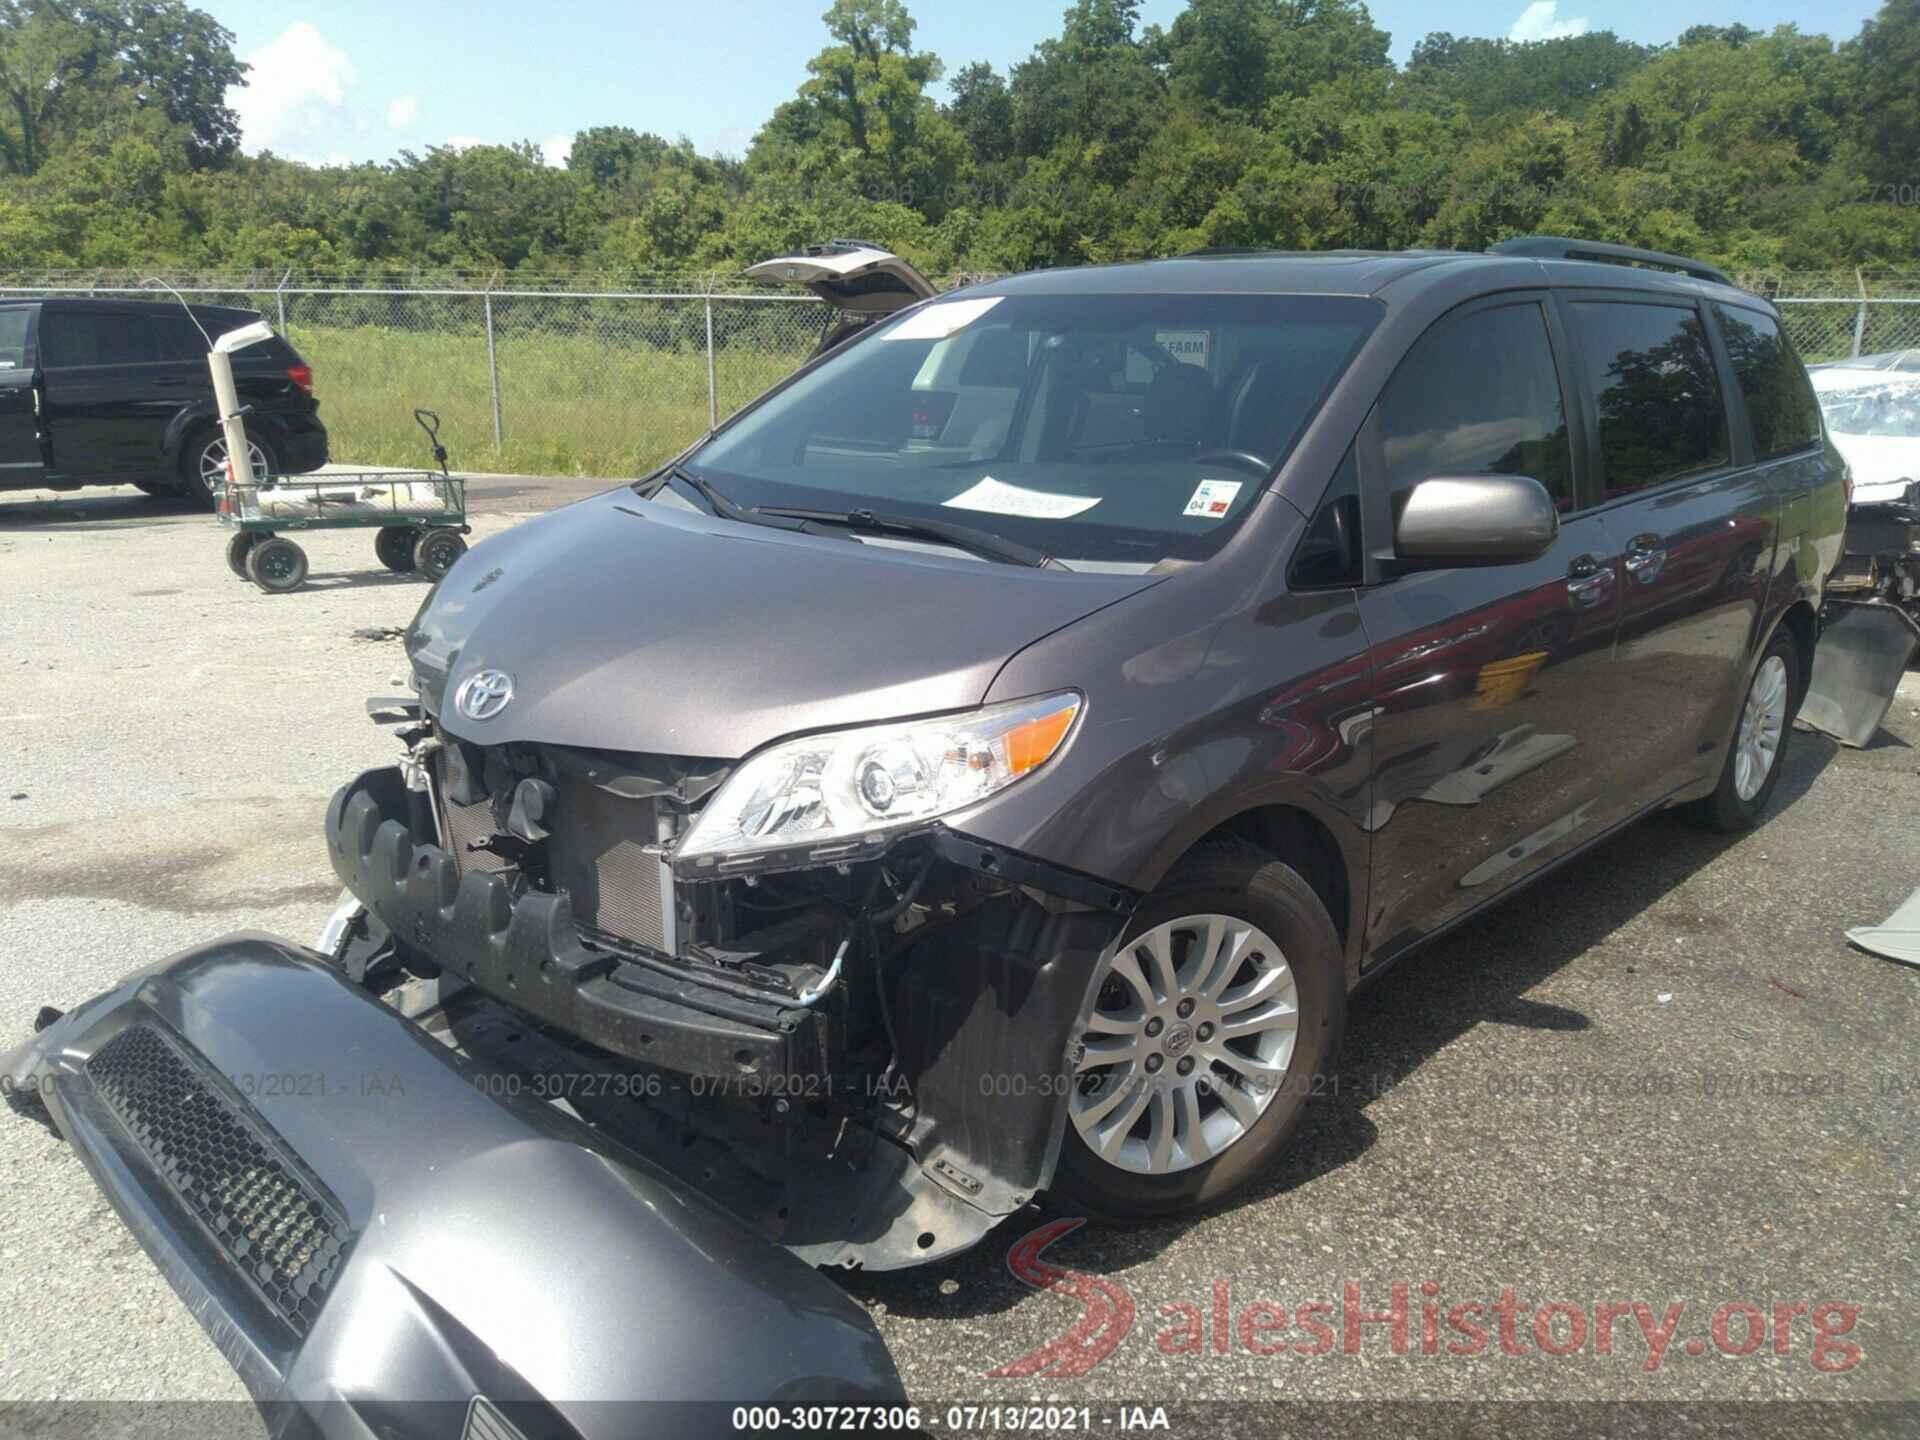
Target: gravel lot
1599 1094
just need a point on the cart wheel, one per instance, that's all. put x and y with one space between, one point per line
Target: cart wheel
238 546
277 565
435 551
394 545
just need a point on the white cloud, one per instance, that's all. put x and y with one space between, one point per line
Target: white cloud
555 149
401 110
296 99
1540 21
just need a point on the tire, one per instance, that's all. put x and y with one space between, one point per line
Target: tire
1239 886
394 545
239 545
435 552
1774 691
277 565
203 462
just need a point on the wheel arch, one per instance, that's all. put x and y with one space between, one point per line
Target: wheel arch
1800 619
1304 840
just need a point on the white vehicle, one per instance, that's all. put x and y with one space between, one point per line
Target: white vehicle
1872 405
1872 408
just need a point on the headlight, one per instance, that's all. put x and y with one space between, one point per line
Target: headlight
858 784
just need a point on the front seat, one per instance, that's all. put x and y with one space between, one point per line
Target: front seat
1180 413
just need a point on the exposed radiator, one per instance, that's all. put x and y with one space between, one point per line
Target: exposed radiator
596 852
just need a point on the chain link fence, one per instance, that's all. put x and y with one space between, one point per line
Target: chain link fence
571 376
566 381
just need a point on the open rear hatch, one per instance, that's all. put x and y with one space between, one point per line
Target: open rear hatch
375 1229
849 275
862 282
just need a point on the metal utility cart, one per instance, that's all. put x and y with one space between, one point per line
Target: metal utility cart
421 517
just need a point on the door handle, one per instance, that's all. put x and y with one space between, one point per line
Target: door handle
1589 581
1645 557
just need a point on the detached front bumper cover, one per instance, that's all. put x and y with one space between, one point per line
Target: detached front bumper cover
374 1237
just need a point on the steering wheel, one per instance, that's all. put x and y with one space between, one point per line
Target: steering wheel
1256 464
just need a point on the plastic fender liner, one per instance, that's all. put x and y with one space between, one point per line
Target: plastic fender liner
487 1243
988 1010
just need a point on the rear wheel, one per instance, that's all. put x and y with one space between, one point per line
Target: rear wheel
277 565
1759 746
1210 1023
239 545
203 464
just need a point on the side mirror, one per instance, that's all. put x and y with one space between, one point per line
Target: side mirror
1475 520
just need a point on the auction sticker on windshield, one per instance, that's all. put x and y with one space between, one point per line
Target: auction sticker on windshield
1212 499
938 321
998 498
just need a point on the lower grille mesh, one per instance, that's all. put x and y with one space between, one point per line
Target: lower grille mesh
284 1235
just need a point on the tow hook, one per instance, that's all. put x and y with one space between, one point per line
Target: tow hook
48 1015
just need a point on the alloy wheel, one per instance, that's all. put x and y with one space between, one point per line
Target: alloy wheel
1762 722
213 464
1190 1039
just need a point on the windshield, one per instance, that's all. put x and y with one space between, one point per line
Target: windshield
1889 408
1110 431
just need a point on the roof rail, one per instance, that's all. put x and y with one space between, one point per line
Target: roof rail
1559 247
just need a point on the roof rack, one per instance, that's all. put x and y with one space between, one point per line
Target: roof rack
1559 247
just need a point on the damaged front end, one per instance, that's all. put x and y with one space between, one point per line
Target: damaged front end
387 1238
1870 625
860 1047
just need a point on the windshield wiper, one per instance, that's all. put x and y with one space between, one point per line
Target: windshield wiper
727 508
962 537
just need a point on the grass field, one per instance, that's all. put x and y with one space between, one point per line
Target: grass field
570 404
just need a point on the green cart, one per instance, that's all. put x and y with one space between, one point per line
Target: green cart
421 518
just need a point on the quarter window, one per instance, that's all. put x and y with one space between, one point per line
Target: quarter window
1655 393
1478 395
1780 401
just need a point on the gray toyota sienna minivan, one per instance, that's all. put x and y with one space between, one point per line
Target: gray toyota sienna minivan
986 763
1016 733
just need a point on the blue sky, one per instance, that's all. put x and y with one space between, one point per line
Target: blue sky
363 79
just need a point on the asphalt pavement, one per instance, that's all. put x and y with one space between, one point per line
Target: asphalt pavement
1661 1079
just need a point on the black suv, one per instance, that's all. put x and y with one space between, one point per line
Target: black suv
117 392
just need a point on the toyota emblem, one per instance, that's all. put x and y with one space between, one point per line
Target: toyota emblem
483 694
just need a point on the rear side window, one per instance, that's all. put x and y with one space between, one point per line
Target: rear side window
13 338
1654 391
179 338
74 337
1780 400
1478 395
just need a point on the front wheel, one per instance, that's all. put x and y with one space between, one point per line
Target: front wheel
277 565
1213 1022
203 464
394 545
435 551
1759 746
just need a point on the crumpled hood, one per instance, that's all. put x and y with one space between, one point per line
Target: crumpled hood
628 625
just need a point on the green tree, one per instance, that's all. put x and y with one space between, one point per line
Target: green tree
1886 62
